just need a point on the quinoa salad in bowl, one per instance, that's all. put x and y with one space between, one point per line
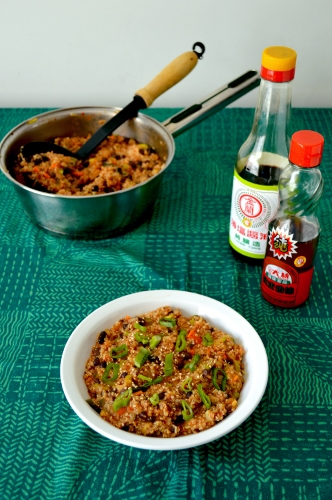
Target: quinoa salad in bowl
164 377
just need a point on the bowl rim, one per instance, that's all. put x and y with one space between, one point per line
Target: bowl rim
10 139
89 328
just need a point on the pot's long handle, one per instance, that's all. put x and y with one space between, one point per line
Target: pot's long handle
212 103
172 74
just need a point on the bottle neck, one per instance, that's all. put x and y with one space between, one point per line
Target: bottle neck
272 116
300 190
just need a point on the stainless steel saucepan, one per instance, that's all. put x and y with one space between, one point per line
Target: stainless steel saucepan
106 215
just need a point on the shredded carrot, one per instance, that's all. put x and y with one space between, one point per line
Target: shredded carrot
235 378
192 351
138 393
121 411
127 317
55 165
78 173
192 335
35 169
45 174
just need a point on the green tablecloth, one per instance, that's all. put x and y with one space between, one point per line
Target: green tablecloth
48 285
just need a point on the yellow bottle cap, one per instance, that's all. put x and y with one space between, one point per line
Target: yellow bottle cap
278 64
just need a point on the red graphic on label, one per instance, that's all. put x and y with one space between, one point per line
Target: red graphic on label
250 206
282 244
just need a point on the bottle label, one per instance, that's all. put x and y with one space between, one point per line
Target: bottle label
252 208
287 269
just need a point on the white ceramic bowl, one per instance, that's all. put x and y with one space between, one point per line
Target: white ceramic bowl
79 345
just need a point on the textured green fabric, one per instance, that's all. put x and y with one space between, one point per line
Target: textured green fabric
48 285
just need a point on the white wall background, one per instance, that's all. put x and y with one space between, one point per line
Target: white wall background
57 53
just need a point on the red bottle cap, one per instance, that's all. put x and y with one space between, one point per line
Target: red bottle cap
306 148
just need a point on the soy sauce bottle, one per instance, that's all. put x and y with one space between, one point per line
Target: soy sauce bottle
262 157
294 232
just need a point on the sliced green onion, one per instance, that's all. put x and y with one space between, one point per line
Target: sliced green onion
152 382
204 397
141 357
111 366
194 362
193 319
141 338
187 411
207 339
221 386
181 342
186 385
122 400
237 365
120 351
168 321
154 400
143 377
140 327
168 367
154 341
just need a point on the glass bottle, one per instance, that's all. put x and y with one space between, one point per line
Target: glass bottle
262 157
294 232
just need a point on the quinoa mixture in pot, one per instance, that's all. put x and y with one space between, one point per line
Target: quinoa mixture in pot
118 163
161 374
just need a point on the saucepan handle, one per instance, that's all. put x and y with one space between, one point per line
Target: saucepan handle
174 72
222 97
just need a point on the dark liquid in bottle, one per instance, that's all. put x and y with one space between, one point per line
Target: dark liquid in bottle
262 175
305 233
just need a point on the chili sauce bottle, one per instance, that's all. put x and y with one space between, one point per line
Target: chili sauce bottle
262 157
294 232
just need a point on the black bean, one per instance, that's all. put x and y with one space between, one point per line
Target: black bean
44 158
187 355
123 374
161 395
95 188
154 359
142 415
37 161
86 163
96 361
141 321
101 338
188 394
205 372
103 364
178 420
125 428
180 363
150 419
